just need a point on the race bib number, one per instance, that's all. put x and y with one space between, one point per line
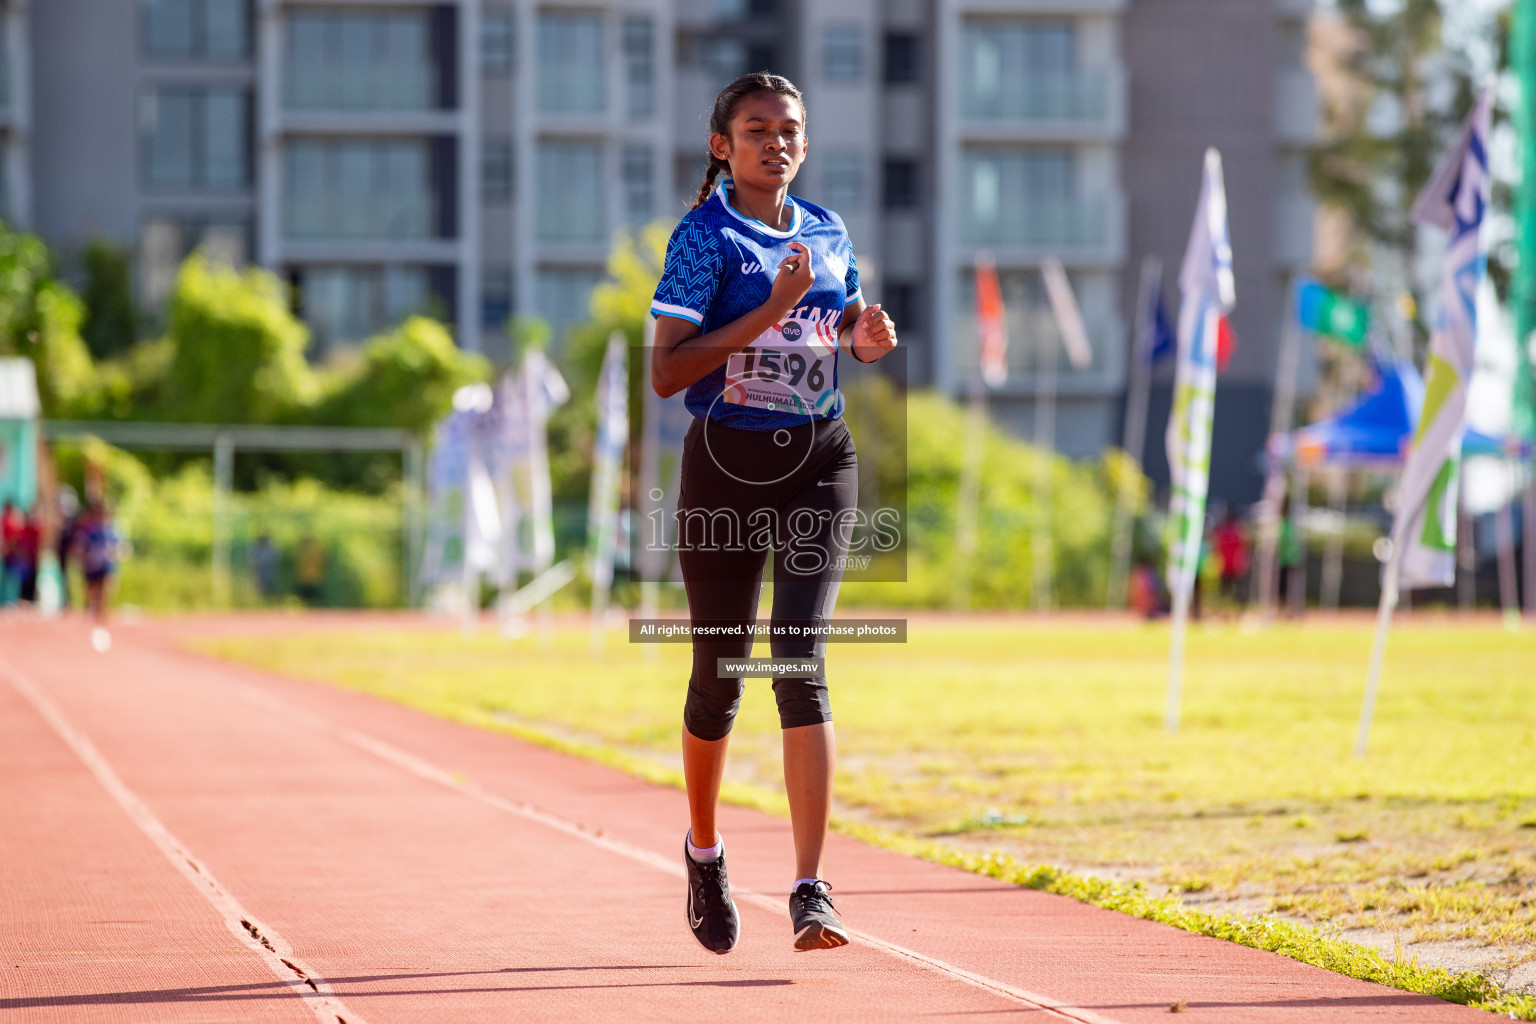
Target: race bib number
787 369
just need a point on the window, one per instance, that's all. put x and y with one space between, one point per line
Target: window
496 170
344 304
362 190
842 180
572 78
571 192
561 297
195 139
724 58
639 66
843 54
903 58
498 43
901 302
360 61
639 184
1025 69
762 57
196 29
1023 197
903 184
496 296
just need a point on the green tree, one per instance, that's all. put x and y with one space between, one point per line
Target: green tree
111 322
40 319
621 302
1406 92
405 378
238 351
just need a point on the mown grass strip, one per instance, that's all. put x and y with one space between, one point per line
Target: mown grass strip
1306 943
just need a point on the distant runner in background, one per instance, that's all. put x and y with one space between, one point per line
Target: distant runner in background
64 547
99 547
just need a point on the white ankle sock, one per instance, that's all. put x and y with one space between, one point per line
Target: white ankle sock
707 854
801 881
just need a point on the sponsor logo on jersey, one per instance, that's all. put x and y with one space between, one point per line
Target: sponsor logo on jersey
751 268
792 331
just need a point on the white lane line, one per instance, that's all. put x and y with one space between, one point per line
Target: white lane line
597 837
274 951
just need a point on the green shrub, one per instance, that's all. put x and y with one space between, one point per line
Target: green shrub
238 353
1083 496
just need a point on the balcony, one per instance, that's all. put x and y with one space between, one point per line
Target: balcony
1066 105
372 89
1297 121
1084 231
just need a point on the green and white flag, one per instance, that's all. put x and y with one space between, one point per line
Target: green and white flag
1207 295
1455 200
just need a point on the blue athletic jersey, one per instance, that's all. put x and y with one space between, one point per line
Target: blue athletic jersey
720 266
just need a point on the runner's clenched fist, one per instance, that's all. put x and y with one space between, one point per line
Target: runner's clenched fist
873 334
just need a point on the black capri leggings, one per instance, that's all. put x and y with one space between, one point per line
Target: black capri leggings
743 493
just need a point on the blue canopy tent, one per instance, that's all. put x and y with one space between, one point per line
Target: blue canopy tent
1374 433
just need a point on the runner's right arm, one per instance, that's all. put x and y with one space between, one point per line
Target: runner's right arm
682 356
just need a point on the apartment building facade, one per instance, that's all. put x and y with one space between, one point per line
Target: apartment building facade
476 158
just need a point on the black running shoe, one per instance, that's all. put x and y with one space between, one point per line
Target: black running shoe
815 918
711 912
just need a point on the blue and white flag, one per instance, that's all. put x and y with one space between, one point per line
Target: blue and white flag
1455 200
607 465
1207 294
1155 339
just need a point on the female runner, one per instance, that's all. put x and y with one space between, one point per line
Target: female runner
759 293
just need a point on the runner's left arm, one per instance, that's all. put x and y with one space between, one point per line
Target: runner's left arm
865 332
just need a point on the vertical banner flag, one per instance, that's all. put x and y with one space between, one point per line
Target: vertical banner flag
991 326
1206 295
1069 319
607 465
1424 527
666 422
1424 530
542 391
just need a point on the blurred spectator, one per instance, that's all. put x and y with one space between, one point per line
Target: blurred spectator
1233 553
97 540
1291 597
263 556
1147 596
26 557
309 570
11 527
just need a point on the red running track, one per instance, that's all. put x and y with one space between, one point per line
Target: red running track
183 840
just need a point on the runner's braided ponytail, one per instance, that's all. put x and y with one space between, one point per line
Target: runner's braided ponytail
725 108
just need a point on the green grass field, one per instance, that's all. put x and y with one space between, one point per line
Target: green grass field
1043 740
